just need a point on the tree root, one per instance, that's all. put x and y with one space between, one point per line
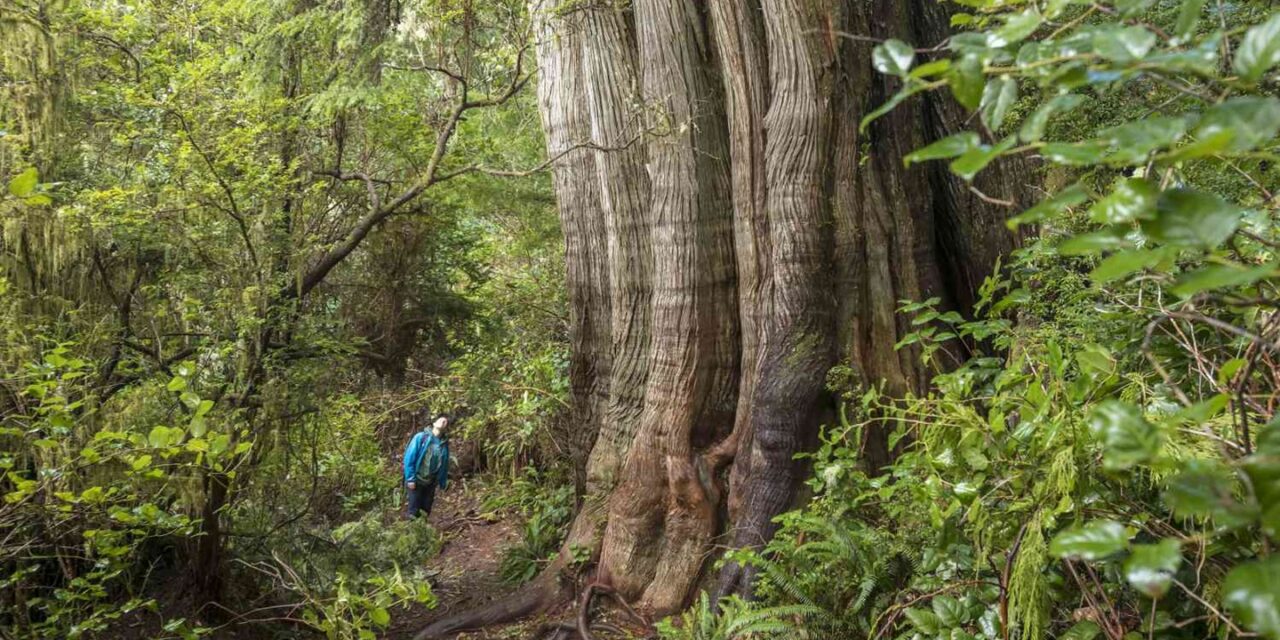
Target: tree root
543 593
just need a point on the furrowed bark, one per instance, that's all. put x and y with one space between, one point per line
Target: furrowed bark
661 516
797 347
613 104
738 32
560 93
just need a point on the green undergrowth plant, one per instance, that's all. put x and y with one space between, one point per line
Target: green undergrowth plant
546 507
735 619
1104 463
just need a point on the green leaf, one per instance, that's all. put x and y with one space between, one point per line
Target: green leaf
1093 541
893 57
380 616
141 462
1083 630
178 383
948 147
1053 205
1188 16
966 81
926 622
1206 489
1124 263
1126 436
975 160
1249 121
1221 276
38 200
1018 26
1033 127
1131 199
159 437
23 184
1259 50
1192 219
1151 567
1252 592
949 610
1077 153
1123 45
997 98
1132 142
1092 243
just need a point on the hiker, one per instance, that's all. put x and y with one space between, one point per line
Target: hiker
426 465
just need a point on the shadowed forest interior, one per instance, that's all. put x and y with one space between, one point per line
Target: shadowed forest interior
670 319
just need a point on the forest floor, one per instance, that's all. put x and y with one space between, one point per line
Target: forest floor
465 572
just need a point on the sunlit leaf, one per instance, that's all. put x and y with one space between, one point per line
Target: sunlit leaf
1150 567
1126 436
1093 541
1252 593
1259 50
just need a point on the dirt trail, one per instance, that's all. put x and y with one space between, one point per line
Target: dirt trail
465 573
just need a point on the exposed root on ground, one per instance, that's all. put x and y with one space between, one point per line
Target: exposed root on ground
545 592
583 627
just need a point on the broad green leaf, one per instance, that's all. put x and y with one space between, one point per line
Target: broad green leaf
38 200
159 437
1076 153
1132 142
975 160
1083 630
1259 50
1055 204
997 98
1263 469
1018 26
948 147
1131 199
24 184
1124 44
933 68
1125 263
1188 16
949 610
1033 127
966 81
1206 489
1126 436
1221 276
1093 541
924 621
1252 593
893 57
1092 243
1192 219
1251 121
380 616
1150 567
177 383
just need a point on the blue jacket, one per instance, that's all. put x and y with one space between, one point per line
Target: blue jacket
416 452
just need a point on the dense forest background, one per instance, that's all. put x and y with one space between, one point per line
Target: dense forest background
804 319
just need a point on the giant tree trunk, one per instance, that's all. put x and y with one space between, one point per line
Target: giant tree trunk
732 235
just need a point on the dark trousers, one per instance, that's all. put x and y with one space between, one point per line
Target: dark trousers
421 498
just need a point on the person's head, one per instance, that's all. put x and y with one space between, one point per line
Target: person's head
440 425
